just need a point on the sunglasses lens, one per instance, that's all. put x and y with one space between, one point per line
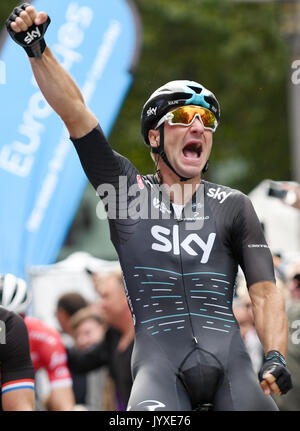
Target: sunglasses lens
208 118
185 115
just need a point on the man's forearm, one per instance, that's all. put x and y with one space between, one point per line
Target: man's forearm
57 86
62 94
269 316
88 360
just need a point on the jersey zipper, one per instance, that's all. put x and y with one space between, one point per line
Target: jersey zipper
184 287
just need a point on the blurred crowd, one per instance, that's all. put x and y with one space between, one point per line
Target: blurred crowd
99 355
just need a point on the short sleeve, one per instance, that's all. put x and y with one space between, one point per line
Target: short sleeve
249 244
16 364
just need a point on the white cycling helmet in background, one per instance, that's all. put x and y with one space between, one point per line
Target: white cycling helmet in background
14 295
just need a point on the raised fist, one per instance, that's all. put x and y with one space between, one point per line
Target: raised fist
27 28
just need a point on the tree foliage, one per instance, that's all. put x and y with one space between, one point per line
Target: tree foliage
238 52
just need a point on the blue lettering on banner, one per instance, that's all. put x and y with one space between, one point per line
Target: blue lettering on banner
40 171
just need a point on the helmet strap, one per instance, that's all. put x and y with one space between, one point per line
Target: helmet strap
206 166
161 151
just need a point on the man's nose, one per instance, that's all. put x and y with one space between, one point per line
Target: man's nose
197 125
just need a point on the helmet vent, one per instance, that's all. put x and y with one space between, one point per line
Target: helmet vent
196 89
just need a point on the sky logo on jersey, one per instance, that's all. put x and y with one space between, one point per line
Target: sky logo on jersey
192 244
98 43
218 194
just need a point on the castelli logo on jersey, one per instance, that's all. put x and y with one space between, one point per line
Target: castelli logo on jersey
140 182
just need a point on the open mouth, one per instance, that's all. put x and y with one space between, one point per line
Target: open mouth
192 150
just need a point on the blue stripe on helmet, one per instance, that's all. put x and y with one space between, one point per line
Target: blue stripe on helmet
197 99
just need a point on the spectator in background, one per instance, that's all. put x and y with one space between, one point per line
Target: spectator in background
293 196
48 352
243 313
88 329
114 306
279 273
67 305
291 400
297 202
116 348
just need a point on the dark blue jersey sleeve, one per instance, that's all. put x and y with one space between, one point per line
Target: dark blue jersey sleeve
249 244
101 163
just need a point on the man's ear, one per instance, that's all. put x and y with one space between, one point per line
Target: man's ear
153 136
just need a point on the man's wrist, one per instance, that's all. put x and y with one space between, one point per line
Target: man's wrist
275 354
36 50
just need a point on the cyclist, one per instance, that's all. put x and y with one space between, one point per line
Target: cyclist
16 369
179 267
46 347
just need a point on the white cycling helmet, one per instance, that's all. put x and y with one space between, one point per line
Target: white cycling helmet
14 295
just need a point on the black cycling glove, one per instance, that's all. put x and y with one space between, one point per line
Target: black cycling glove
31 40
275 364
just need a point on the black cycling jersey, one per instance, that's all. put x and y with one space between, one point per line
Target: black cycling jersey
180 274
16 368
